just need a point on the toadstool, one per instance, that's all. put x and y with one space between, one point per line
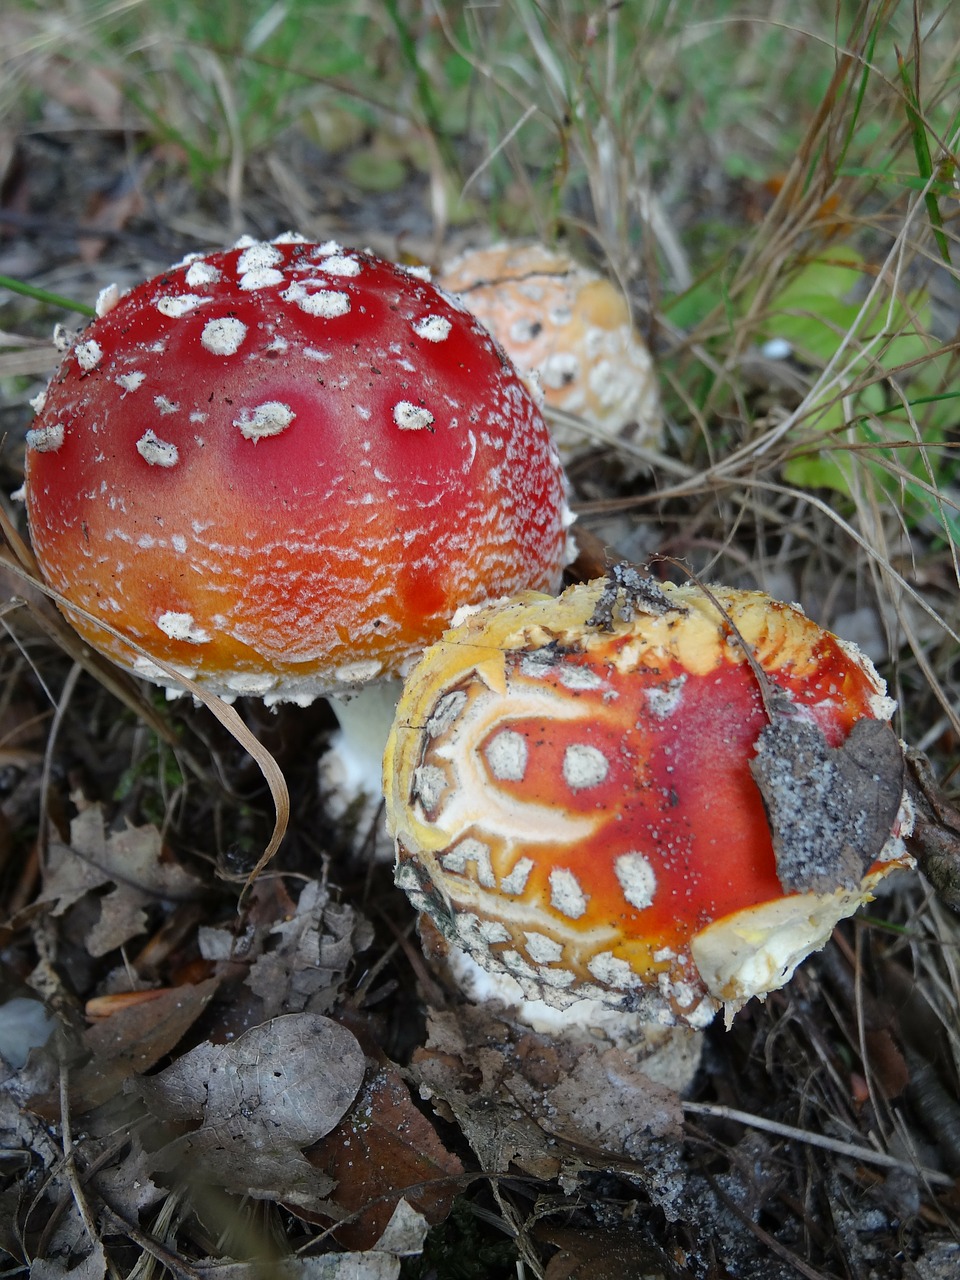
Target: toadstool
280 469
573 789
571 328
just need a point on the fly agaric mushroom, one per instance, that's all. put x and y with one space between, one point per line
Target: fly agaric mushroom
573 789
282 467
571 328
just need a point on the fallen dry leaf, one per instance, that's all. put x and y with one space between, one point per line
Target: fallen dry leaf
601 1255
133 861
129 1042
550 1107
311 954
328 1266
256 1103
382 1150
831 809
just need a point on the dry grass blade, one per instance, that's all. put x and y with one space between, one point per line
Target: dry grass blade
852 1149
127 691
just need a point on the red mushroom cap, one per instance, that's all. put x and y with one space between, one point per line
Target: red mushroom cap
574 806
282 467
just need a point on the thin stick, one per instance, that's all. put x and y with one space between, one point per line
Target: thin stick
866 1154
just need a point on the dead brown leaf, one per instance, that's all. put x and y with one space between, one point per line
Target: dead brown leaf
309 959
327 1266
547 1106
250 1107
129 1042
385 1149
601 1255
134 861
831 809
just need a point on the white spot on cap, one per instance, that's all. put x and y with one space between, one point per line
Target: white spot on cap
663 702
575 678
37 402
358 672
429 782
543 950
516 881
45 439
268 419
493 931
558 978
130 381
327 249
566 896
180 305
166 406
223 337
149 670
181 626
446 712
637 879
258 255
249 682
584 766
89 354
432 328
200 273
179 542
506 754
325 303
515 962
612 971
559 370
260 278
411 417
156 451
471 850
107 299
339 265
419 273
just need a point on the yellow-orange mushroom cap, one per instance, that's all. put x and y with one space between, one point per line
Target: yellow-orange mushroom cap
574 806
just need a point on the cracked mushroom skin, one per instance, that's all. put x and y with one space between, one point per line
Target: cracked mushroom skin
572 329
574 808
281 468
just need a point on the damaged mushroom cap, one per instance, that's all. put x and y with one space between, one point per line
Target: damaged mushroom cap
282 467
571 328
574 807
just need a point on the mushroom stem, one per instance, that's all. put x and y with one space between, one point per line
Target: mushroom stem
351 770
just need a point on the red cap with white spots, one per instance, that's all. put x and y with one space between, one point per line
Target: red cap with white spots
281 468
574 805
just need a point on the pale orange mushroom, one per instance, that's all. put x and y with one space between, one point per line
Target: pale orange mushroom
569 327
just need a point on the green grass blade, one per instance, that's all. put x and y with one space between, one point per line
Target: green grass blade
921 149
44 295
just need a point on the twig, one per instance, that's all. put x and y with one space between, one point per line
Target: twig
852 1149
